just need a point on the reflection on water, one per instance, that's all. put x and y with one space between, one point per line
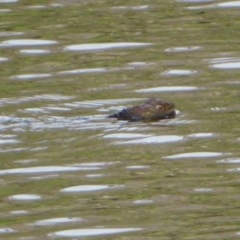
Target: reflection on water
196 155
57 221
69 171
226 63
89 188
167 89
223 5
182 49
45 169
3 59
104 46
6 230
34 51
25 197
26 42
178 72
31 76
92 232
8 1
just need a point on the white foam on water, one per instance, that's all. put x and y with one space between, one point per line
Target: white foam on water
196 155
26 42
90 188
57 221
152 140
31 76
45 169
167 89
178 73
34 51
25 197
104 46
182 49
71 233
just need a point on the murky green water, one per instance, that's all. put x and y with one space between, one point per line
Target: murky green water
67 171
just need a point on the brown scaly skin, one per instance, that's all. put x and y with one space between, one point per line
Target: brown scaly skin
151 110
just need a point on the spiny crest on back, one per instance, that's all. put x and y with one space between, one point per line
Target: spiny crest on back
151 110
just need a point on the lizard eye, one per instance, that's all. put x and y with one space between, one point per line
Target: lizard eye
158 107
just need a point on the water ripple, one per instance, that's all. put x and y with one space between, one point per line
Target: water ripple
152 140
45 169
11 34
43 97
57 221
6 230
222 5
26 42
195 1
167 89
134 8
196 155
34 51
178 73
77 233
125 135
182 49
89 47
3 59
31 76
143 202
8 1
227 65
229 160
90 188
25 197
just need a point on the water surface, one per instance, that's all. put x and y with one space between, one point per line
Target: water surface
68 171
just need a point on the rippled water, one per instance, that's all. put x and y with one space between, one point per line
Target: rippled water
70 172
